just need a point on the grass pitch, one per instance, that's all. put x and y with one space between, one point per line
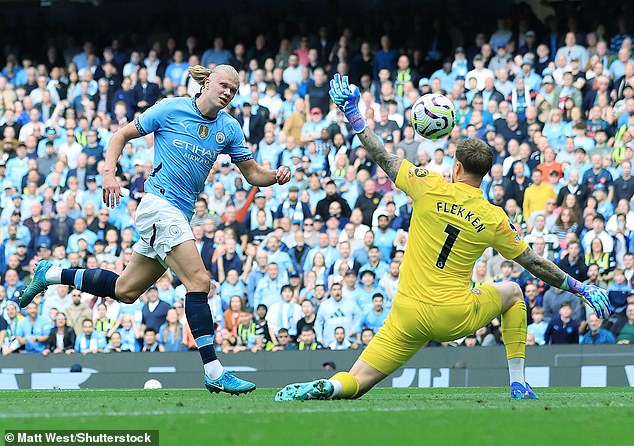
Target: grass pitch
471 416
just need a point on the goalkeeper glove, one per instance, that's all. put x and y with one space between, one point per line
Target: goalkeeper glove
346 98
595 297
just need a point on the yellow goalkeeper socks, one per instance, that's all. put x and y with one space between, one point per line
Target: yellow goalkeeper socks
514 330
346 385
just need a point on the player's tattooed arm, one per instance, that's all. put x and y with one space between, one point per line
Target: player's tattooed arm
541 268
389 162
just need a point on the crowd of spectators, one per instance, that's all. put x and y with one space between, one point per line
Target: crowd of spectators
315 263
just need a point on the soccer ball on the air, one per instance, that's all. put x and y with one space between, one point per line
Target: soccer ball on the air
433 116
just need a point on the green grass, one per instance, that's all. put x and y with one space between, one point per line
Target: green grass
392 417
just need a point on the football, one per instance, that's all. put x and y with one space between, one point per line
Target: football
433 116
152 384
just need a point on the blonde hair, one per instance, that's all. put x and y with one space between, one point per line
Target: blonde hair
200 73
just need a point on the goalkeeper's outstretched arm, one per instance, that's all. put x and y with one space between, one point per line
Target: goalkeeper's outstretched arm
346 97
542 268
389 162
550 273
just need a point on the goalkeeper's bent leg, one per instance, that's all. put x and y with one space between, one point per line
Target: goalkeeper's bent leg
354 384
345 385
514 337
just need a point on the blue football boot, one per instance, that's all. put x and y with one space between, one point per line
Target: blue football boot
320 389
38 284
228 383
520 392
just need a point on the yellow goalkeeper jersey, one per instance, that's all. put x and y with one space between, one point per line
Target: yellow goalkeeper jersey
452 224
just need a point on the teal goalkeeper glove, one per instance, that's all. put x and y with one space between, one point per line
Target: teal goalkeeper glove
346 97
595 297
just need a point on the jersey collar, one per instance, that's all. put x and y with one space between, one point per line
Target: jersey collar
198 110
468 188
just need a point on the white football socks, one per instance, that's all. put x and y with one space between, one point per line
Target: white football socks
54 275
214 369
516 370
337 388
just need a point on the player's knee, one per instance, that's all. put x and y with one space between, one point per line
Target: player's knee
198 282
127 298
517 294
125 294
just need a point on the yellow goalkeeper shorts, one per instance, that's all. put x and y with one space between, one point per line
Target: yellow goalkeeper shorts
411 324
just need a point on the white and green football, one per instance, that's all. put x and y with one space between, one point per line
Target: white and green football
433 116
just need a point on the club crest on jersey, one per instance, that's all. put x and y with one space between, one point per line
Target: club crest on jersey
220 138
419 172
203 131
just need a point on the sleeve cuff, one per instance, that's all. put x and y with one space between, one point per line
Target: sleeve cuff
139 127
240 159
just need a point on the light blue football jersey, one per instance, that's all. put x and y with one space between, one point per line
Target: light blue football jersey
186 145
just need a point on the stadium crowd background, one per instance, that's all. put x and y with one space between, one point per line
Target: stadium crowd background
314 264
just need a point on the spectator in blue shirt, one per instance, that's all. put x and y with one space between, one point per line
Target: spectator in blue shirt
268 150
258 272
171 333
385 57
92 194
562 329
12 284
217 55
93 150
129 334
154 311
364 294
176 69
539 326
33 330
311 130
81 231
596 334
445 75
18 166
268 290
506 269
90 341
374 318
618 290
597 175
384 236
232 286
279 257
375 264
227 260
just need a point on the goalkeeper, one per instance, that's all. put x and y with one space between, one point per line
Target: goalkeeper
452 224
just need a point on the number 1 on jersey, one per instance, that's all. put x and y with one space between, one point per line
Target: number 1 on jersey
452 235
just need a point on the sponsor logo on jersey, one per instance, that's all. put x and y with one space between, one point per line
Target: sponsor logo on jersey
203 131
419 172
514 229
193 148
220 138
